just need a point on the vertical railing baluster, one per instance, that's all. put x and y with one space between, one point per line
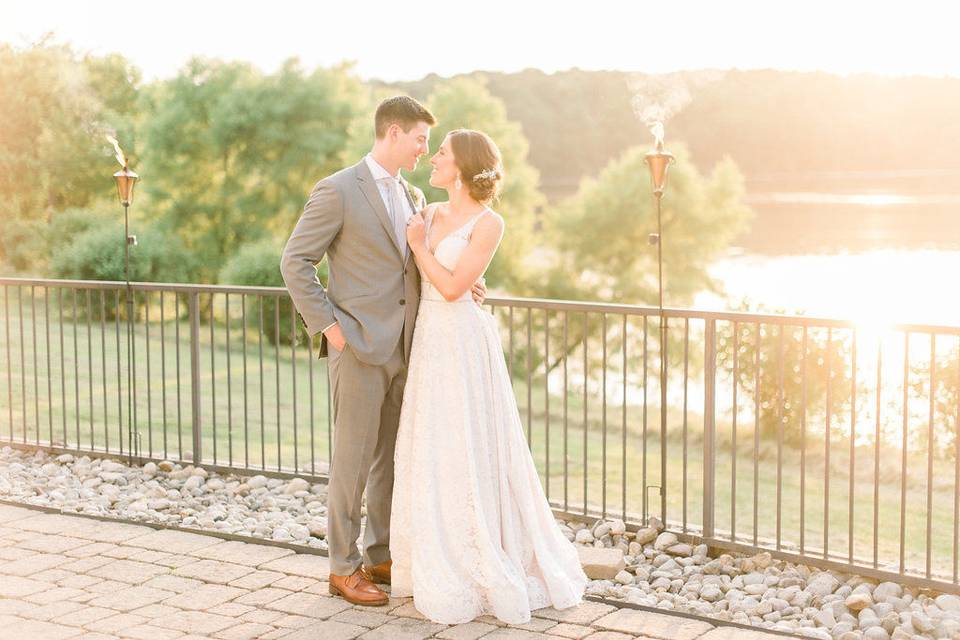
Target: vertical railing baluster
46 320
36 373
826 447
623 427
246 437
23 368
146 342
933 394
956 478
780 400
194 314
213 380
90 367
263 432
686 372
293 373
643 444
603 413
529 381
876 455
853 443
546 396
116 318
709 425
733 433
132 366
803 437
510 361
903 449
76 372
276 364
756 431
103 368
163 375
586 424
566 402
6 321
176 336
313 455
226 311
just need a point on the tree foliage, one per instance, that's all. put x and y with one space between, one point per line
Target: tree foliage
231 153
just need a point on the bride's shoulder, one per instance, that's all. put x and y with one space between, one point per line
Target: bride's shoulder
432 208
492 221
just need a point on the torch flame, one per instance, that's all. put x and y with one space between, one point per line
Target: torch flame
122 159
656 128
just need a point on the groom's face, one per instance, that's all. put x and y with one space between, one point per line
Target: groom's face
413 144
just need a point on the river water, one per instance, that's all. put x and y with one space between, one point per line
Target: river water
866 252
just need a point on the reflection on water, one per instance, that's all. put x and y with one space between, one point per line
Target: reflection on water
853 215
860 251
873 287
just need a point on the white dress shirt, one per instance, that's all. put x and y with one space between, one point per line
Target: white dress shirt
382 185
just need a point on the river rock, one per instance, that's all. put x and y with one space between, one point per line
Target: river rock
664 540
584 537
858 601
257 482
601 564
295 485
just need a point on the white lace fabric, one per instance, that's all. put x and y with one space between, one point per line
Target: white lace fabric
471 530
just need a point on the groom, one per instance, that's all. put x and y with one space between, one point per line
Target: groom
357 218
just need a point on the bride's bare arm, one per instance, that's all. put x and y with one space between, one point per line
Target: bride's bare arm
472 264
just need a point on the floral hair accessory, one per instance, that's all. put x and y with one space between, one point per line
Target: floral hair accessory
486 174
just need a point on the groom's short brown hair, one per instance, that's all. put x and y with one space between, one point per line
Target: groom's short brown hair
403 111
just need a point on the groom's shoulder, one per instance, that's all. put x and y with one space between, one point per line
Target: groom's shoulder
343 177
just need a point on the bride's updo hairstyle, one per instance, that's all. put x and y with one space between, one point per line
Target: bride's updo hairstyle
480 164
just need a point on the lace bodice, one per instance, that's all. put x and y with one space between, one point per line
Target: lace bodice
447 252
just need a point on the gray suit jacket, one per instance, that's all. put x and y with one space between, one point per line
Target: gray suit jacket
371 290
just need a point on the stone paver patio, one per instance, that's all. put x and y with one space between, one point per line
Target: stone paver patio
64 576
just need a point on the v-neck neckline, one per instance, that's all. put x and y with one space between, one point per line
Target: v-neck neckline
433 247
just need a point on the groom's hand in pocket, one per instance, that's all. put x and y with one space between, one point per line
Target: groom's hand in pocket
335 337
479 291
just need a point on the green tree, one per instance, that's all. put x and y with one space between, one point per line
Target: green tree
598 247
466 103
53 153
601 234
232 153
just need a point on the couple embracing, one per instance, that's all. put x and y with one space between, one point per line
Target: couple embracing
425 416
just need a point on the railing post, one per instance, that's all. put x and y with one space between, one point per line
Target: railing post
709 424
194 312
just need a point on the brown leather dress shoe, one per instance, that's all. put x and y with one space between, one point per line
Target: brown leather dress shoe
379 573
357 589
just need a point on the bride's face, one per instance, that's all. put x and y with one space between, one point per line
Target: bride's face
445 169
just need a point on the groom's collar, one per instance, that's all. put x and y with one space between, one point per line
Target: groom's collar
377 170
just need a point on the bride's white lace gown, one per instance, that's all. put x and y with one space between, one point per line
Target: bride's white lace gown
471 531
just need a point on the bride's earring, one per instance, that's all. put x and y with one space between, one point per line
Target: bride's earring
458 185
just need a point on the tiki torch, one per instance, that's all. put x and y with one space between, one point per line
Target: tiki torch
659 161
126 179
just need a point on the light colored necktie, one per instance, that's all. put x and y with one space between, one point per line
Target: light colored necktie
395 209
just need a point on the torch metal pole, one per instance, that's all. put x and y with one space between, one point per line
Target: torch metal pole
126 274
663 367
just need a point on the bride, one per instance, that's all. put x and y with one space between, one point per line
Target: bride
471 531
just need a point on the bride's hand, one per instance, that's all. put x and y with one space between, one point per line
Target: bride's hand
416 232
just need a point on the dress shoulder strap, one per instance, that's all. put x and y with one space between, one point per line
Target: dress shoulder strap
467 228
428 213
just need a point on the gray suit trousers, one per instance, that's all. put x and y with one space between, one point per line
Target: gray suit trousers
366 401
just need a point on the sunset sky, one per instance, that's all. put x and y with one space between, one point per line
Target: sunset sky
404 41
